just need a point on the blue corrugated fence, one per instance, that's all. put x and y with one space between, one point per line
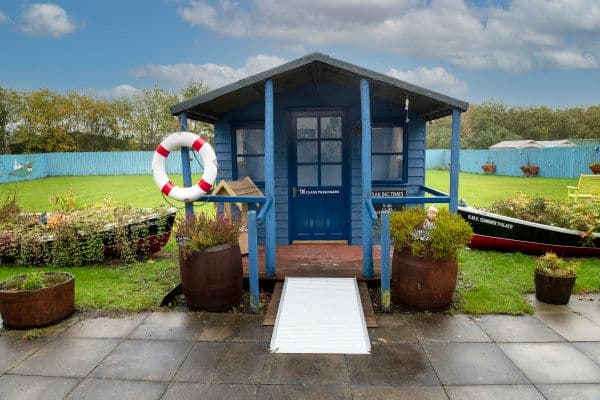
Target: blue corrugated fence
564 162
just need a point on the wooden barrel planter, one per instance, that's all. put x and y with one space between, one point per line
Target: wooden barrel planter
553 289
595 168
423 283
212 279
530 170
37 308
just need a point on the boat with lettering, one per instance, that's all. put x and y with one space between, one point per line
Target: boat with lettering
498 232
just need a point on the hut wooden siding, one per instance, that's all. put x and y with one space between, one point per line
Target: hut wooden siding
312 96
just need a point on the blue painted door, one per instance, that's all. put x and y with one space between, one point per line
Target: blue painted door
318 196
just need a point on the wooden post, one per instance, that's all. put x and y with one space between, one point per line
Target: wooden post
253 262
365 160
454 160
186 168
385 261
270 178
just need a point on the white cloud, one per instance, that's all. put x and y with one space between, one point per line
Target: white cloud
517 36
436 78
3 17
46 19
118 91
567 59
212 75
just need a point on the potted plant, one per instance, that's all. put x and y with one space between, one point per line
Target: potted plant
489 168
554 279
595 168
530 170
210 262
424 264
36 299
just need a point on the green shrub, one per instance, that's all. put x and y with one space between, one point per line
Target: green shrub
449 234
205 231
34 280
550 264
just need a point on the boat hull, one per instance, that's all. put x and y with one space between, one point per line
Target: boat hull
497 232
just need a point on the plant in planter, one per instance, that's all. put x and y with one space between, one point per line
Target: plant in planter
425 265
210 262
530 170
554 279
595 168
36 299
489 168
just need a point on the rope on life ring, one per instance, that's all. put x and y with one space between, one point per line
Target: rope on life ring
209 160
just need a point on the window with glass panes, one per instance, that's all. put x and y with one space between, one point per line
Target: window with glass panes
387 154
250 153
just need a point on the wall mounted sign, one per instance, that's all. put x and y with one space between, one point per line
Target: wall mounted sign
388 192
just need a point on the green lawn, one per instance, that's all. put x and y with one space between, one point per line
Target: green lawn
483 190
489 282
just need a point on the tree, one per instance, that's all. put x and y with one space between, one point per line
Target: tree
9 101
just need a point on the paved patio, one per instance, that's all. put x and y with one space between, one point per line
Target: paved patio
554 354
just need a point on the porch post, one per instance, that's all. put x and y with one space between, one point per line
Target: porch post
270 178
186 169
454 160
365 161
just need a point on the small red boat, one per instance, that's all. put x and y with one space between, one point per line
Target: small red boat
497 232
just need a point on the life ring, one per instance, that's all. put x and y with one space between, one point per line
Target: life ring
209 161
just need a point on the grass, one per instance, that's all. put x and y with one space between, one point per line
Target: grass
483 190
489 282
137 287
496 283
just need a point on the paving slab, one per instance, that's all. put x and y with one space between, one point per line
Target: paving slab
170 326
14 350
102 389
446 328
242 328
305 369
588 305
399 393
305 392
17 387
590 349
211 362
392 329
571 392
105 327
550 363
472 364
391 365
155 360
507 328
67 357
496 392
541 307
571 326
195 391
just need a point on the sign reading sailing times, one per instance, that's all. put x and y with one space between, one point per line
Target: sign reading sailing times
394 192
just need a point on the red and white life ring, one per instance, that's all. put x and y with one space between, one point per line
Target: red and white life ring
209 161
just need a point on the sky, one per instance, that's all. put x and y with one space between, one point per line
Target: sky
519 52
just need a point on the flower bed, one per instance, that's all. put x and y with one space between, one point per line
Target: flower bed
71 235
583 215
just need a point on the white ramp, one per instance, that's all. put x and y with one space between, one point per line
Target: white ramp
320 315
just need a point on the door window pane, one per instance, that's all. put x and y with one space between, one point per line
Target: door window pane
387 140
331 127
385 168
308 175
306 127
254 167
307 151
250 140
331 175
331 151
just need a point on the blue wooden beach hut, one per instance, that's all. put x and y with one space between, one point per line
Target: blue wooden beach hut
327 141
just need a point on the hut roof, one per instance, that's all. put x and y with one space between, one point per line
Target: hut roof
317 67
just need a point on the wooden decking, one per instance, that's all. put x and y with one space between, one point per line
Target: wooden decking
323 260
